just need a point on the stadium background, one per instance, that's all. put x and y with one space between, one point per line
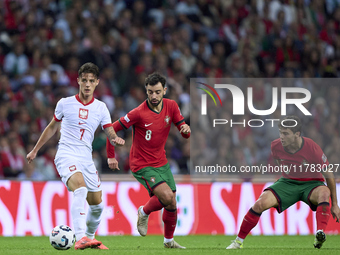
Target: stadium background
43 43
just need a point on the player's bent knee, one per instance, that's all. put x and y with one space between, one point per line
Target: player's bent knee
174 202
324 194
262 204
327 193
76 181
167 198
258 207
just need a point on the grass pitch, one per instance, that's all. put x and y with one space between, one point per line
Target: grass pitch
200 244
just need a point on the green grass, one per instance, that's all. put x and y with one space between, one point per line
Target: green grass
195 245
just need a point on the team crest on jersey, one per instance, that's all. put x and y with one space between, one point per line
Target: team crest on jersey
153 179
83 113
304 162
167 120
73 168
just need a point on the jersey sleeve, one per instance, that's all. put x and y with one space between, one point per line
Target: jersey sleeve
273 150
129 119
106 118
318 155
58 112
110 149
177 117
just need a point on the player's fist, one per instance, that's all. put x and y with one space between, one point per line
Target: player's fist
118 141
30 156
185 129
113 163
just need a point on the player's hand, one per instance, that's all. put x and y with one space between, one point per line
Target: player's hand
30 156
335 211
185 129
118 141
113 164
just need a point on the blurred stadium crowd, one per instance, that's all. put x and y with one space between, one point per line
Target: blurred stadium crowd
44 42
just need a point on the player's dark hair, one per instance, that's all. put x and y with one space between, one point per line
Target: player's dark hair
291 122
89 68
154 78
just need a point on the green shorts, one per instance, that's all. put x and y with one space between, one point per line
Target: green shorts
288 192
151 177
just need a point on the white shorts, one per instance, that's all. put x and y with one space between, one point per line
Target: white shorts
67 166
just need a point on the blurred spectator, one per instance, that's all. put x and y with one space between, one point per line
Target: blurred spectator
13 161
44 164
4 122
30 173
16 62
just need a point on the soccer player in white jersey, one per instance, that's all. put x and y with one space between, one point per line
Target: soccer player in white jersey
79 116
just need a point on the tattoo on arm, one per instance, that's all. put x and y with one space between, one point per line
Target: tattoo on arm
110 133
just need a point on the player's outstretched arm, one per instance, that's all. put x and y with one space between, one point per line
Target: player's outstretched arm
332 186
112 136
110 149
49 131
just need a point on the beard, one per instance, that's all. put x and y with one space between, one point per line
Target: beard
155 103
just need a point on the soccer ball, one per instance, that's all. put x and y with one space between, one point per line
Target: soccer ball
62 237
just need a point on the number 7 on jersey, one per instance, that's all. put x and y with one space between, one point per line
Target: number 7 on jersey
82 133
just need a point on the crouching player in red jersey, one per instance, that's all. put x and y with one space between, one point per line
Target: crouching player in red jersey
301 155
151 122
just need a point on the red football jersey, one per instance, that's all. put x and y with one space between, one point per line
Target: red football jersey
150 130
306 164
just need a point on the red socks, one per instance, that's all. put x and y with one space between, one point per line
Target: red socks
170 221
152 205
249 222
252 218
322 215
169 216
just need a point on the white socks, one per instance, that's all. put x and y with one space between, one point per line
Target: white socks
78 212
143 213
166 240
240 239
79 217
93 219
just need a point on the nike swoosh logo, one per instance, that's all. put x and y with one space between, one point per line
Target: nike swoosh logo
148 124
81 123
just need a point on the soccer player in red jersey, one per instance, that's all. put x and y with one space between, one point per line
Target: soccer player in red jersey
151 122
304 163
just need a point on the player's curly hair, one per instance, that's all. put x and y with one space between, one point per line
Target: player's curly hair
89 68
154 78
291 122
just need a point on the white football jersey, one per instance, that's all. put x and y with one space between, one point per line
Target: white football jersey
78 124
